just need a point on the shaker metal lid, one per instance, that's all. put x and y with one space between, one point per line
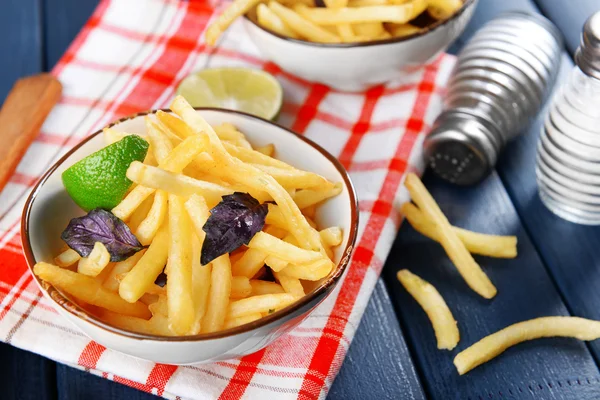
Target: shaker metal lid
587 56
460 149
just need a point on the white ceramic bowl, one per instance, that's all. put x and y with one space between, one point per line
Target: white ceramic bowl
358 66
49 209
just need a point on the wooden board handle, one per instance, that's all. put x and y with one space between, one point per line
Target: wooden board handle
23 113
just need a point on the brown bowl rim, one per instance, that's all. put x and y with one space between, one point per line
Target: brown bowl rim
422 32
79 312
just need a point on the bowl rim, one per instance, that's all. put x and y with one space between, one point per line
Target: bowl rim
79 312
422 32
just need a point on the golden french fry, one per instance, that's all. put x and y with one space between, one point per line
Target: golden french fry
295 178
67 258
159 142
290 285
275 263
93 264
279 233
219 25
233 322
174 125
156 290
249 264
336 3
149 298
198 212
89 290
227 131
370 30
399 30
443 9
476 243
456 250
157 325
283 250
110 282
309 272
140 213
260 287
160 307
255 157
444 324
149 226
131 202
240 287
331 236
200 285
152 178
309 197
220 290
303 26
143 274
275 217
179 268
388 13
268 150
246 174
496 343
267 303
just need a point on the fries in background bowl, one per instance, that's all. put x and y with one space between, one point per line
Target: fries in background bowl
215 299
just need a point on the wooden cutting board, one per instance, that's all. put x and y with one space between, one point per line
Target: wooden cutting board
23 113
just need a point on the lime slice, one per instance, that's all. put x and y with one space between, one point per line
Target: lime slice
242 89
100 180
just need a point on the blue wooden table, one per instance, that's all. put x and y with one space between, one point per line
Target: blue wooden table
393 354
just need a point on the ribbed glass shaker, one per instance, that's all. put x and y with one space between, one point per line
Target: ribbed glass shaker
502 78
568 156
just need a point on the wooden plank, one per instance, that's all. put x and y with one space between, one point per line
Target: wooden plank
21 46
541 369
378 364
63 19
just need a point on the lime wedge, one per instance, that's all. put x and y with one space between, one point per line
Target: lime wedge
242 89
100 179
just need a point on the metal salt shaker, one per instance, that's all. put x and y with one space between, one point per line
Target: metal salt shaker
502 78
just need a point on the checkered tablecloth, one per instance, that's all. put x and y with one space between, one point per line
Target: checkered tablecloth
129 57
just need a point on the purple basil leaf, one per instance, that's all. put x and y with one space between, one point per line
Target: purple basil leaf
101 226
232 223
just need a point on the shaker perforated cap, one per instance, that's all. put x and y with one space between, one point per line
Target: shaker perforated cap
587 56
460 149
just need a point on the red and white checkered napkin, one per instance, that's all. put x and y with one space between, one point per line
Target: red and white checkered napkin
128 58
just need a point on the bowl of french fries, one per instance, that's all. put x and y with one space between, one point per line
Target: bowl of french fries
350 45
230 232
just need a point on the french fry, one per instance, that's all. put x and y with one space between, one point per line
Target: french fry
248 175
89 290
152 178
301 25
335 3
218 300
67 258
174 162
157 325
331 236
227 131
235 9
160 144
283 250
149 226
110 282
93 264
476 243
255 157
140 213
249 264
200 285
370 30
275 217
430 300
179 268
389 13
267 303
346 33
496 343
240 287
260 287
174 124
156 290
294 178
311 272
290 285
275 263
105 272
443 9
268 149
233 322
454 247
309 197
149 298
160 307
143 274
198 212
398 30
279 233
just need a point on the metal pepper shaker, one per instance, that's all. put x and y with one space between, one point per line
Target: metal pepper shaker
501 80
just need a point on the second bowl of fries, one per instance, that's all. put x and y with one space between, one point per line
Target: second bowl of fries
211 307
349 45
